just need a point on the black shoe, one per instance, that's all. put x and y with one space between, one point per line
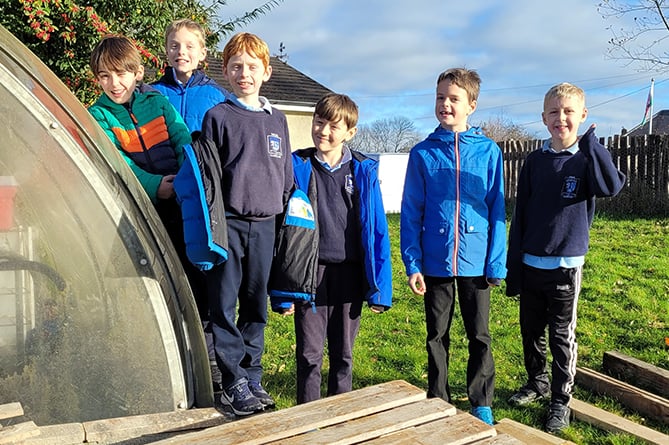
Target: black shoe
259 392
558 417
526 395
240 399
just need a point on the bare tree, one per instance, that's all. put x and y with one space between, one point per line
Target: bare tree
642 40
392 135
502 128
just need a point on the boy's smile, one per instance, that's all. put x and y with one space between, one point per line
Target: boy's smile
562 117
119 85
452 106
184 53
246 73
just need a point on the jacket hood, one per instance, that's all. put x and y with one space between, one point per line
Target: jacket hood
471 135
197 78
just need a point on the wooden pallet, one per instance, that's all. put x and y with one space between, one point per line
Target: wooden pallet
390 413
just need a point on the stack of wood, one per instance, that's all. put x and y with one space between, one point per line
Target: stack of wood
648 395
19 432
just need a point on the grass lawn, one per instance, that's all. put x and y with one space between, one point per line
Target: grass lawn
624 306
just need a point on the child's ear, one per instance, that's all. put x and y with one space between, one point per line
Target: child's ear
350 133
139 75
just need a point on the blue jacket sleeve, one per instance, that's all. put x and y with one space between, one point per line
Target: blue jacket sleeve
496 259
411 216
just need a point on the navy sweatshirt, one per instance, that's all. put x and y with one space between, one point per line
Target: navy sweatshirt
555 203
255 155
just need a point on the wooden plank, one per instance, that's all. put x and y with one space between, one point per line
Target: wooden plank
502 439
643 402
65 433
611 422
527 434
122 428
454 430
9 410
376 425
277 425
637 372
18 433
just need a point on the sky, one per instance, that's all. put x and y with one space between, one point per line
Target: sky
387 54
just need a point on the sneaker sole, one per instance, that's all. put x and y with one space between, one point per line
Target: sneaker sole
226 402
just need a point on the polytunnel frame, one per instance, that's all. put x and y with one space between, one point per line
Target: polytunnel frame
110 177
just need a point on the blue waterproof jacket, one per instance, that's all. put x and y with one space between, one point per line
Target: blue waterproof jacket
197 186
193 99
453 216
290 283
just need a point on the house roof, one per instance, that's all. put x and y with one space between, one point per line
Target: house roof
286 86
660 125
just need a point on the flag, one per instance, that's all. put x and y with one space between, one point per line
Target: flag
649 106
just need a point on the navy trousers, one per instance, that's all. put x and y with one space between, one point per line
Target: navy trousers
238 299
336 318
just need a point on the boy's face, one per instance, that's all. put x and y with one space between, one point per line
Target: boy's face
328 136
562 116
452 106
119 85
184 53
246 73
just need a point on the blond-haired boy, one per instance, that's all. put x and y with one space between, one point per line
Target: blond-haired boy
187 87
548 240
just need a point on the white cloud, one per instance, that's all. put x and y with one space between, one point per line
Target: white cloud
387 55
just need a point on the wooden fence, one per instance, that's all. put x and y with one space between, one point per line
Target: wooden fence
643 159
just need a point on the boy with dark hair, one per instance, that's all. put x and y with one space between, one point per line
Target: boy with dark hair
244 158
333 249
453 233
548 240
147 130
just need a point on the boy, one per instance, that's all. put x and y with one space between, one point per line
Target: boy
246 144
144 126
323 275
453 234
192 93
188 88
548 240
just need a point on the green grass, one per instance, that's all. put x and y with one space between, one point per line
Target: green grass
623 307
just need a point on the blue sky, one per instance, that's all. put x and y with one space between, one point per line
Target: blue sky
387 54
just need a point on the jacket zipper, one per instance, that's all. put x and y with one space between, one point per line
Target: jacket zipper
135 122
456 226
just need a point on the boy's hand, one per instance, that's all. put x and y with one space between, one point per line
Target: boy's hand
417 283
289 311
493 282
166 187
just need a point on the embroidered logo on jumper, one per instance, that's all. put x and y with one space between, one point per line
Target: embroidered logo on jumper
348 186
570 187
274 145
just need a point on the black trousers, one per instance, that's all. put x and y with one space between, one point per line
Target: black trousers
474 299
335 318
549 298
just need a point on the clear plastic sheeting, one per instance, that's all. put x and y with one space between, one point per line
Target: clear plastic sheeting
96 318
